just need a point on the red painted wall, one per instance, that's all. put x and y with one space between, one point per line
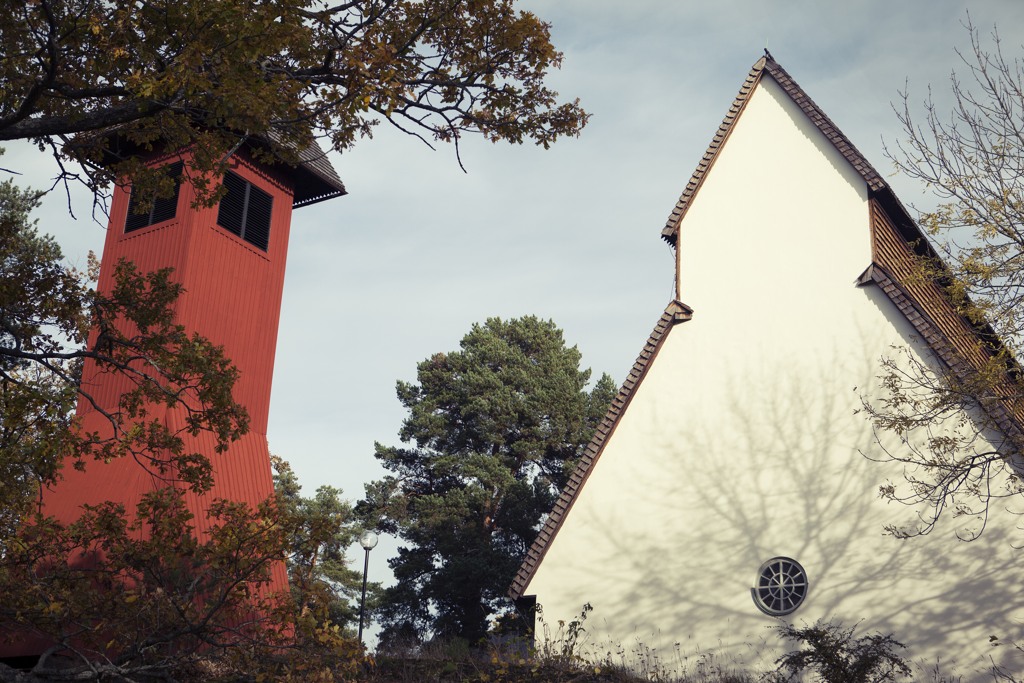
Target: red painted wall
233 297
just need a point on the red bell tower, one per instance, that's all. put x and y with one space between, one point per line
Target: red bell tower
230 258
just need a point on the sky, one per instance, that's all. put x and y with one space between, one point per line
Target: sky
419 250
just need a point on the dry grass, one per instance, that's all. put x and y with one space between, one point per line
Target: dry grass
500 669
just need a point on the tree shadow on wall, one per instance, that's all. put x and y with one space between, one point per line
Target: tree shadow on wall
780 470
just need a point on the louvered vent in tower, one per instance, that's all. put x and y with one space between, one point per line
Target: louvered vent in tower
245 211
162 209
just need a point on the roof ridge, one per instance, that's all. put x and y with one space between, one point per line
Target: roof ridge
671 229
830 130
826 125
676 312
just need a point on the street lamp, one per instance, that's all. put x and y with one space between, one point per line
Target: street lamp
368 540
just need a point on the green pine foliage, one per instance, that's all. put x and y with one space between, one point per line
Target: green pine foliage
322 529
493 431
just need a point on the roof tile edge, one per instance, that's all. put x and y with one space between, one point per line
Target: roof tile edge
767 64
676 312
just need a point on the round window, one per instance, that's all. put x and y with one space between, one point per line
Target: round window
781 586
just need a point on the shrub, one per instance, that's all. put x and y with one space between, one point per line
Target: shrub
835 656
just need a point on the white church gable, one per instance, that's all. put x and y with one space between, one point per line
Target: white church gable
736 441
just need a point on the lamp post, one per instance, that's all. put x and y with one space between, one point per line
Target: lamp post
368 540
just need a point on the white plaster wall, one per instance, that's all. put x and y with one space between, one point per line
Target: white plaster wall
742 444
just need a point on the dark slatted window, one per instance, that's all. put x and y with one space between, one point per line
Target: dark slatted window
257 220
231 214
163 208
245 211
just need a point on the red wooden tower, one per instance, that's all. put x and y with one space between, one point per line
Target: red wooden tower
230 258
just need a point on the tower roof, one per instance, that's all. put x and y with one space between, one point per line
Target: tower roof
314 177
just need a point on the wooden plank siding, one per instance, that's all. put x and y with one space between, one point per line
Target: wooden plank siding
233 297
965 348
892 252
